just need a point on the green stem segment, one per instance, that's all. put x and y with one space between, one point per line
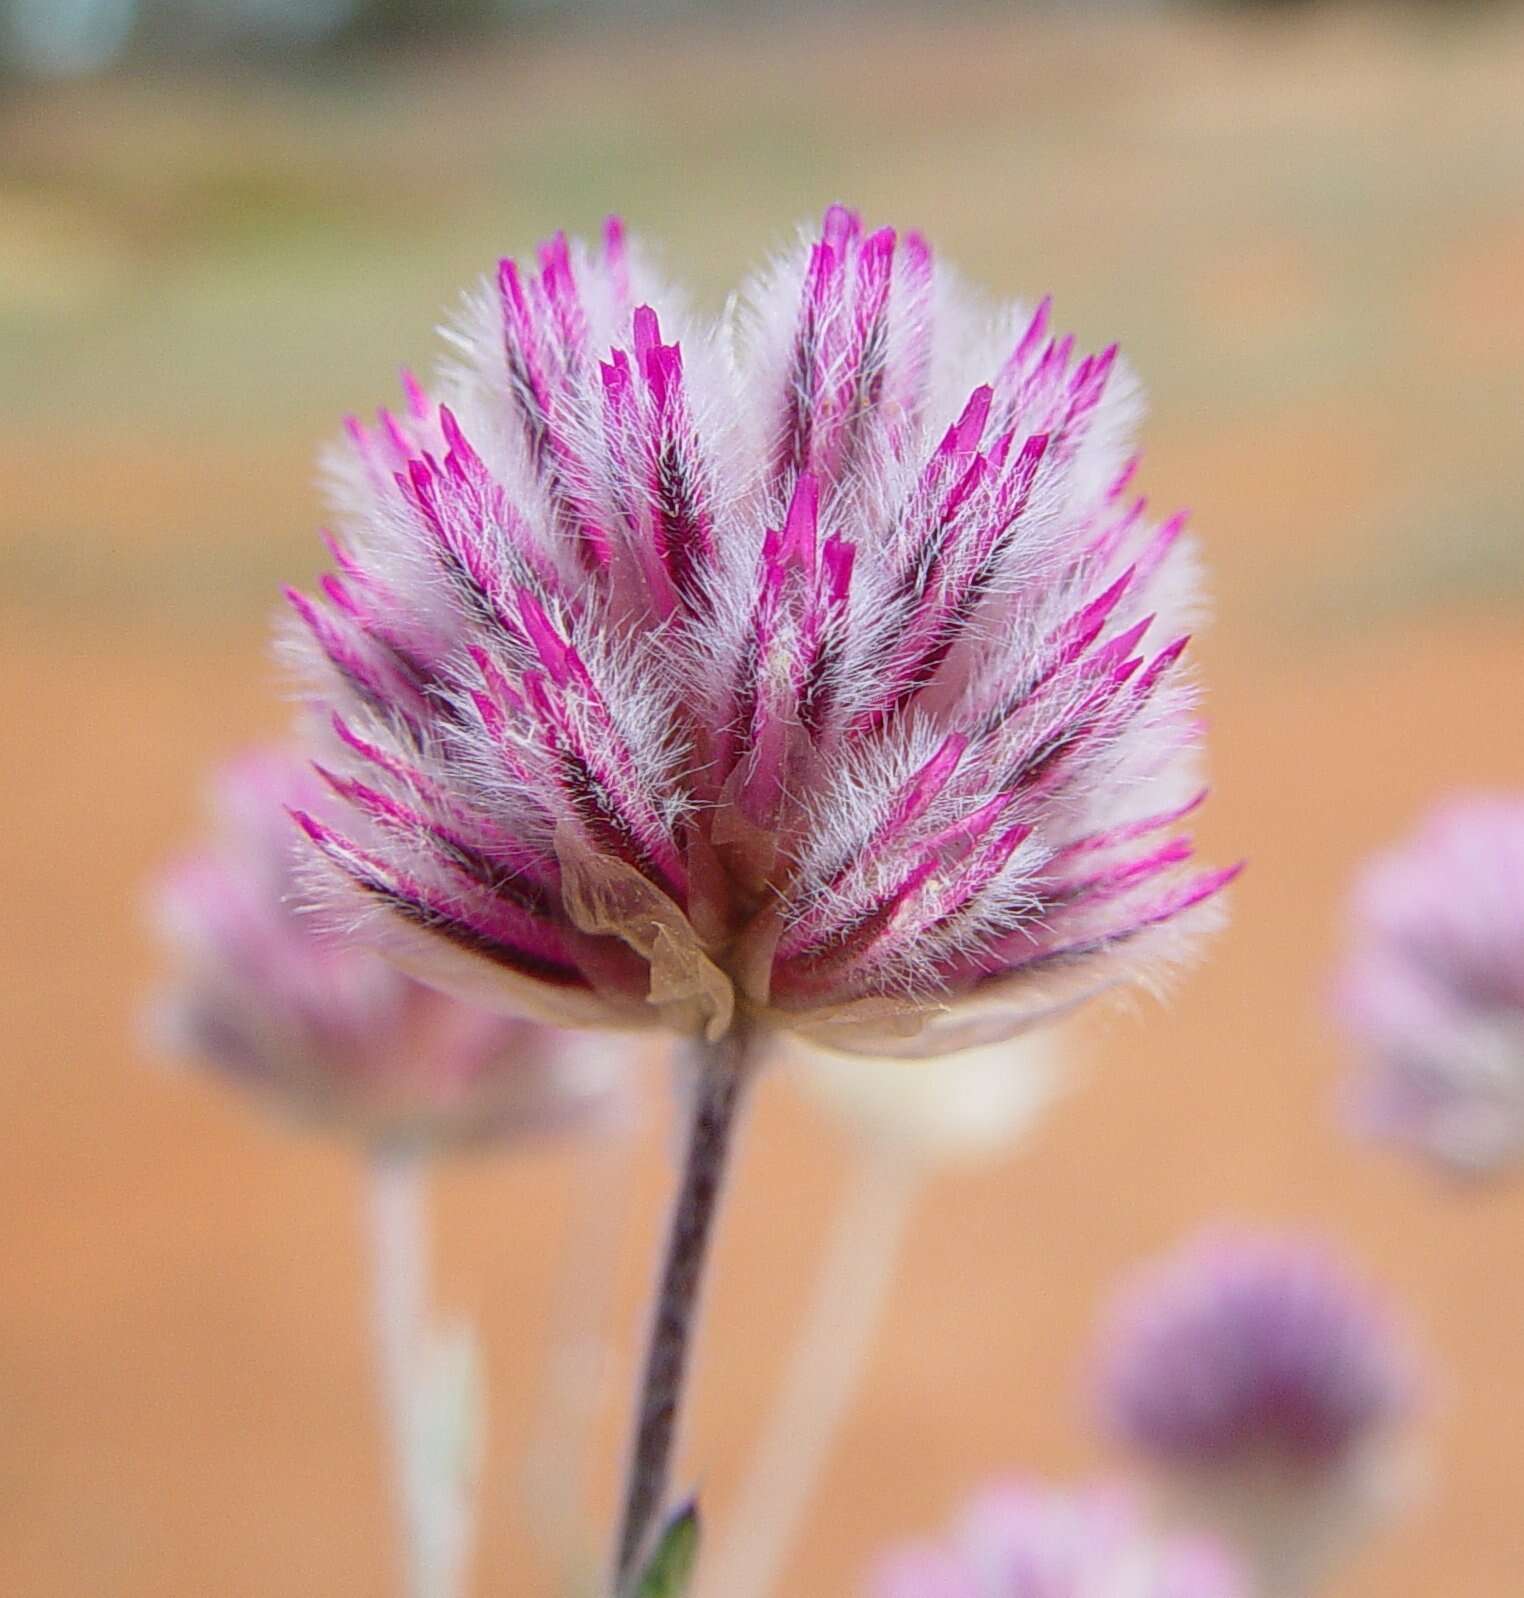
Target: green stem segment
721 1072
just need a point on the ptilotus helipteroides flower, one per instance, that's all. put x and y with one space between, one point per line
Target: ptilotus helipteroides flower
1022 1540
328 1031
814 669
1250 1343
1267 1389
1432 988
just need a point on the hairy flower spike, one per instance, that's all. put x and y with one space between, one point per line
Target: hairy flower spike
1432 990
264 992
1031 1541
1250 1345
810 669
1266 1389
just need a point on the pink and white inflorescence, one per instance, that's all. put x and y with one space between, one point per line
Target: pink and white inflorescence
1433 987
263 992
1030 1541
1251 1348
817 667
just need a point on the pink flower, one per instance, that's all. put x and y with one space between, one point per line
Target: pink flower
1266 1389
1029 1541
816 668
266 993
1433 987
1250 1344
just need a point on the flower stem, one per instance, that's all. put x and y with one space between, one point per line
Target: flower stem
555 1466
721 1070
399 1277
856 1269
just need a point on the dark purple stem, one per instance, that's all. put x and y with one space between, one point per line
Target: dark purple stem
721 1071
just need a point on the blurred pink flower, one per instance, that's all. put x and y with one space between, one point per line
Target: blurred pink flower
1247 1343
1030 1541
817 666
266 992
1266 1388
1432 991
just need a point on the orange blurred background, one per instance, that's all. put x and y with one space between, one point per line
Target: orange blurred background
1307 228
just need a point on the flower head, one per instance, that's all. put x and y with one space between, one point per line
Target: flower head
817 666
1028 1541
1266 1389
265 993
1248 1344
1433 987
978 1103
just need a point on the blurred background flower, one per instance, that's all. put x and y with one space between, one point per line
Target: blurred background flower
979 1104
284 1003
1266 1392
1024 1540
280 1000
1432 988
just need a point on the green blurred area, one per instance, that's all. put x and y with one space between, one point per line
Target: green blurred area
1301 223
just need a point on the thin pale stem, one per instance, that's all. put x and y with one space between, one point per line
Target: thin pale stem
856 1270
720 1073
399 1284
555 1468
